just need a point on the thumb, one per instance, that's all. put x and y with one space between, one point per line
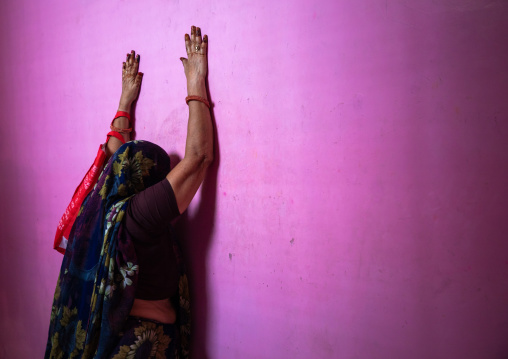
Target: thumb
138 79
184 61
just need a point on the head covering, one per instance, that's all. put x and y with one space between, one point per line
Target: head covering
99 272
69 216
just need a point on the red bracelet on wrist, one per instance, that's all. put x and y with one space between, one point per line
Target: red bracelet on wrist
197 98
121 130
122 114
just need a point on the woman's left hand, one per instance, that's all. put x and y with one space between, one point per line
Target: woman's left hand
131 80
196 65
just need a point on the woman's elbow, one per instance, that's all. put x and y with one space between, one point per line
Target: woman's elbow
204 161
208 159
201 160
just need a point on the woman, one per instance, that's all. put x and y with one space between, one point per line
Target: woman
122 292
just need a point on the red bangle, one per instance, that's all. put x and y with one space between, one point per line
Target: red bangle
197 98
122 114
116 135
121 130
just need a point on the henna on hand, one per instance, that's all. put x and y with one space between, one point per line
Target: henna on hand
131 81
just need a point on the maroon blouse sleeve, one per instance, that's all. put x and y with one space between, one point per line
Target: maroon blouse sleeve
151 210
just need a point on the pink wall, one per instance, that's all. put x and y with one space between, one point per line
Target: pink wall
358 204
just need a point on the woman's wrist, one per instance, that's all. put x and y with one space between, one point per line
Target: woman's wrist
197 87
122 121
125 106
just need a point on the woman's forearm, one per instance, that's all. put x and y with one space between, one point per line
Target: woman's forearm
131 82
199 145
114 143
123 122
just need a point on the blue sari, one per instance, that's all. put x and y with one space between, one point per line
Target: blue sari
97 282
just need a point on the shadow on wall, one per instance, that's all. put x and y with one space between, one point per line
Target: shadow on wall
18 253
195 235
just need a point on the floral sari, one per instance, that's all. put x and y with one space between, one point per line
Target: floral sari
97 282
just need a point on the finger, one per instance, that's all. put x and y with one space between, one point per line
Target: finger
136 64
203 49
184 62
193 33
198 36
187 44
132 56
204 46
133 68
128 64
139 78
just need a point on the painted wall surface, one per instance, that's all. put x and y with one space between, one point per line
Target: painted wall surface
357 207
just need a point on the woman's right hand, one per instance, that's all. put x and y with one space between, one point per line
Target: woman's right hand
196 64
131 81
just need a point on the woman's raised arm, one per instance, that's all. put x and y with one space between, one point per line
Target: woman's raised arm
188 175
131 82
